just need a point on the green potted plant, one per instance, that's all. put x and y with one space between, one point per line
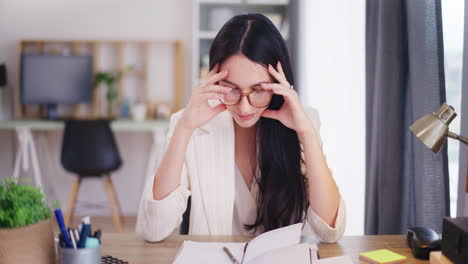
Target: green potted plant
26 225
109 79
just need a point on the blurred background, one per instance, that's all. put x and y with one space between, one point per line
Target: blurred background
155 52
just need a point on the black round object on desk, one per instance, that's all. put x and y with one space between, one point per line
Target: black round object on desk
422 240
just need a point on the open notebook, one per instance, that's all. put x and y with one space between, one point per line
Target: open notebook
281 245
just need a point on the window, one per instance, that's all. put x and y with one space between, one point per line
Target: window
452 22
337 91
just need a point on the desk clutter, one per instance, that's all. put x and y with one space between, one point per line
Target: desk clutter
451 249
78 245
81 244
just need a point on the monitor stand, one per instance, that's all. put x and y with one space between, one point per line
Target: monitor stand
52 112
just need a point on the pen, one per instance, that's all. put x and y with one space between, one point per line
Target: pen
77 235
228 252
61 241
63 228
85 229
98 234
72 238
87 220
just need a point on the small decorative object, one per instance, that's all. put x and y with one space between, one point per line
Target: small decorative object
125 108
139 112
25 224
163 111
109 79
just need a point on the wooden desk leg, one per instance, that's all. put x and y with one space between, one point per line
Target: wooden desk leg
72 201
117 201
26 147
35 162
114 203
19 156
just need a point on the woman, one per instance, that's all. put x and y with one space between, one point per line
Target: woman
253 162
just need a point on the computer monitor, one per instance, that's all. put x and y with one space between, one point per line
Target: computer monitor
56 79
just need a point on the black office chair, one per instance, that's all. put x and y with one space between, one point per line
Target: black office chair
184 226
89 150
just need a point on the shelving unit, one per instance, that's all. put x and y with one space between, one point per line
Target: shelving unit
210 15
143 65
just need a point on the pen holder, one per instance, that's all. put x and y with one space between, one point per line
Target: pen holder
79 255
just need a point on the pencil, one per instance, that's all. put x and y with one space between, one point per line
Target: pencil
234 260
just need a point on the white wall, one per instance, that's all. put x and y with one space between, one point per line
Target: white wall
331 76
89 19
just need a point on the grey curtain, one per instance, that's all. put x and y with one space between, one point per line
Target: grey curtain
406 184
462 184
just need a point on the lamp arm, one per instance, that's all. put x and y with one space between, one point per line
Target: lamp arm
458 137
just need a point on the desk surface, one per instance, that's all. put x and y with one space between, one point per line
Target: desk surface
118 125
132 248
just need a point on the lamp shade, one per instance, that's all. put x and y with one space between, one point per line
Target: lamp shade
432 129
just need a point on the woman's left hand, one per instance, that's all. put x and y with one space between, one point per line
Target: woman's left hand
292 113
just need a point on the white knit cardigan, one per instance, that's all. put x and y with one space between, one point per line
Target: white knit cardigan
208 177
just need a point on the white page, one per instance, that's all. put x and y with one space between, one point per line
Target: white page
208 252
335 260
297 254
272 240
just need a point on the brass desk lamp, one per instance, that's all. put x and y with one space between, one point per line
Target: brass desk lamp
432 129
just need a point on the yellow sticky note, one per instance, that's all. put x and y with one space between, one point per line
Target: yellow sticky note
382 256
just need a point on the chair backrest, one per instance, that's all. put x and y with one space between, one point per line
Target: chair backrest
185 224
89 148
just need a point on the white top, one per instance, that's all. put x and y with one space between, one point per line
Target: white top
245 205
208 176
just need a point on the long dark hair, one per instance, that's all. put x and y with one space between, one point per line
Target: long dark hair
282 185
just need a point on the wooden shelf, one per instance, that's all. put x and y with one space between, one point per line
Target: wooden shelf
116 56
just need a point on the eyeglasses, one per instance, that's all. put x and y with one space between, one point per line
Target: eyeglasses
256 98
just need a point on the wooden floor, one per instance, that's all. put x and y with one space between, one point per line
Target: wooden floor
105 223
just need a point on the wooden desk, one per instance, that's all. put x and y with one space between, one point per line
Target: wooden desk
132 248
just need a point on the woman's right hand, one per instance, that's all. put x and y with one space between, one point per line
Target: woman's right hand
198 112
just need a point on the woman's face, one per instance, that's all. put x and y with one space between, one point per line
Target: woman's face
246 76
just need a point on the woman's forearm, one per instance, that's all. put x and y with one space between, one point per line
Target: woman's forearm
167 177
324 196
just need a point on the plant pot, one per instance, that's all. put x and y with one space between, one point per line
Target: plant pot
28 244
